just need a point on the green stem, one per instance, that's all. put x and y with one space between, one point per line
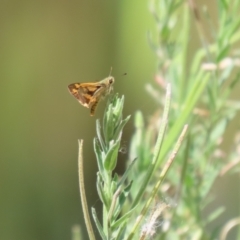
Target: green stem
157 149
82 192
166 167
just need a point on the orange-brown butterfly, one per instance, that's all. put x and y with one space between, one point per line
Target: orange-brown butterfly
89 94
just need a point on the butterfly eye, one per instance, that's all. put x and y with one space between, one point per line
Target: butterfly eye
111 80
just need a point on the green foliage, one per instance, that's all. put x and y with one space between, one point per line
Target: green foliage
200 98
201 93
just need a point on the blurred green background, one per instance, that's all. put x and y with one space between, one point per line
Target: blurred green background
46 45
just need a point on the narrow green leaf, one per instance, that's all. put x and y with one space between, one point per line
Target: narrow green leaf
120 127
124 194
99 135
108 128
123 218
218 130
111 156
225 74
125 175
98 224
120 231
101 192
192 98
215 214
98 154
117 111
113 186
223 52
157 148
121 200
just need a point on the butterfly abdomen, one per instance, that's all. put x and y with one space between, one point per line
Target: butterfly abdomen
93 108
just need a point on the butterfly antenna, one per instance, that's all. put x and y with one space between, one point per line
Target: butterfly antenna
110 72
124 74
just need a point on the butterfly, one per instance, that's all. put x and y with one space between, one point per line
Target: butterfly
89 94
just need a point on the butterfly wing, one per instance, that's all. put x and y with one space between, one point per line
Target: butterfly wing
84 92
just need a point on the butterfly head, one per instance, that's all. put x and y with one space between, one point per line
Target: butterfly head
110 80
